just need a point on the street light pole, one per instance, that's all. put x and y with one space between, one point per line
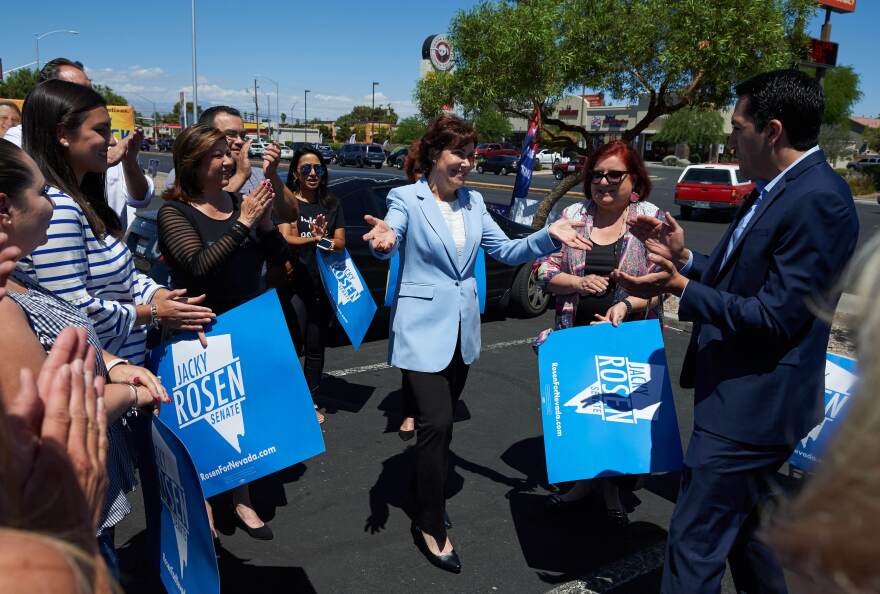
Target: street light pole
38 37
306 113
274 82
372 111
194 72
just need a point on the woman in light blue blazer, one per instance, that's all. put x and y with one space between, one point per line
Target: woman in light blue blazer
436 225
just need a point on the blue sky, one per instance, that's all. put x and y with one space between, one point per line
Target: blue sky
334 48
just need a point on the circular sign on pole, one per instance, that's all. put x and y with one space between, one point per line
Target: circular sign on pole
438 50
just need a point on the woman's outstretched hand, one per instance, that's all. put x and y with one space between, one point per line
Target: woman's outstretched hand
565 231
381 235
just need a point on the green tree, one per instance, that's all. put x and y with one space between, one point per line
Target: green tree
326 132
692 126
872 138
835 141
362 114
174 117
841 86
343 131
409 130
110 95
283 118
674 53
492 125
18 84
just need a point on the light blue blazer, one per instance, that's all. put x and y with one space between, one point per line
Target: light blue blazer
437 290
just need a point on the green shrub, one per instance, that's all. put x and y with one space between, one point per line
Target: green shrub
670 160
874 172
695 159
860 184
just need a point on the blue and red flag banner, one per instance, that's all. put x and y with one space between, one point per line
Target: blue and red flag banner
347 292
522 208
606 402
188 561
241 406
840 379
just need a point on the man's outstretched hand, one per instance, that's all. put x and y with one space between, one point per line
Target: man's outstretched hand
665 279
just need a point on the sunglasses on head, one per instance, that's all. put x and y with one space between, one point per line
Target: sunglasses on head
613 177
308 167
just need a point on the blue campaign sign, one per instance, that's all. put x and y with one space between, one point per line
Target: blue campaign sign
606 402
188 562
840 378
394 271
347 291
241 406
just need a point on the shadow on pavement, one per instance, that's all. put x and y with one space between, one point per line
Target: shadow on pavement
238 575
267 495
335 394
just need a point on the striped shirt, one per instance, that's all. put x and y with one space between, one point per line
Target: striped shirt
97 275
47 316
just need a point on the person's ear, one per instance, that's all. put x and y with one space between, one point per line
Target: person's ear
774 131
62 134
5 217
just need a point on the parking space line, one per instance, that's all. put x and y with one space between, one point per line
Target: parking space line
380 366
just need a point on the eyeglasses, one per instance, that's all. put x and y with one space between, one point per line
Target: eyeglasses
308 167
613 177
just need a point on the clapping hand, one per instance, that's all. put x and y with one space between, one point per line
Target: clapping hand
176 310
255 204
665 279
59 429
664 238
271 158
126 148
591 284
8 256
381 235
565 231
318 229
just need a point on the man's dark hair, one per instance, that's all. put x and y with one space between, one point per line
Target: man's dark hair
207 116
790 96
50 69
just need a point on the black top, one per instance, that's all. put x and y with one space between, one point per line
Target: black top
222 259
601 260
306 276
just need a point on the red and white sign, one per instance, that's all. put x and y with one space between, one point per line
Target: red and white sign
839 5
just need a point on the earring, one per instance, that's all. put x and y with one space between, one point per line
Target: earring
633 197
65 143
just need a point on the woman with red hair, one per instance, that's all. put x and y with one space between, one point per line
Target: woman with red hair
616 187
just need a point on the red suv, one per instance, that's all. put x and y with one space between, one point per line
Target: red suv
574 165
490 149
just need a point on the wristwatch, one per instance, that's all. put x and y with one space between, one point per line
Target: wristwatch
154 316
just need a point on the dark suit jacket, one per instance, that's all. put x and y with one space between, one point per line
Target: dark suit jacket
756 359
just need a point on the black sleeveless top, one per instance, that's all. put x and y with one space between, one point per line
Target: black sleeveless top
601 260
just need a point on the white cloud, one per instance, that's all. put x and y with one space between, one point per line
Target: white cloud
343 99
141 72
380 96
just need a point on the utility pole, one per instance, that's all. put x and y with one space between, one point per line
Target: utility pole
269 115
373 110
194 72
825 36
306 114
257 108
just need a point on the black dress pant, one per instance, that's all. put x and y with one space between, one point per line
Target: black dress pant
723 486
308 315
434 396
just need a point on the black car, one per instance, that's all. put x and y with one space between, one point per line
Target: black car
397 157
361 155
502 164
327 153
507 287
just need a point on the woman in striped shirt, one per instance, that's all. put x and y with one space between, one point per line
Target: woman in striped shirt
66 130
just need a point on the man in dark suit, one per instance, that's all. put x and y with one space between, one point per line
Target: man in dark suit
756 358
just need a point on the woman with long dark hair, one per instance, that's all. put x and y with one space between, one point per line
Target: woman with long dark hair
66 131
216 244
438 224
308 213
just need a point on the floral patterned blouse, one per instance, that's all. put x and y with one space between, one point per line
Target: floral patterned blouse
633 260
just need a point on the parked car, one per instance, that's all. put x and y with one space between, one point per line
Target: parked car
286 152
362 155
549 157
397 157
510 288
327 153
573 165
711 187
499 164
165 144
147 144
490 149
257 148
864 162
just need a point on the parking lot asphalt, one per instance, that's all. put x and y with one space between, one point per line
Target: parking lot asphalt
341 520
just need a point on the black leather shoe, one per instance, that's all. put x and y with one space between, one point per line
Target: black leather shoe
406 435
554 502
261 533
617 518
449 562
446 521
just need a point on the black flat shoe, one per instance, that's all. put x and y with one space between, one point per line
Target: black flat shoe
261 533
448 562
554 502
406 435
446 521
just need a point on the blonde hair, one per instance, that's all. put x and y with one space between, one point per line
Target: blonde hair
828 529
